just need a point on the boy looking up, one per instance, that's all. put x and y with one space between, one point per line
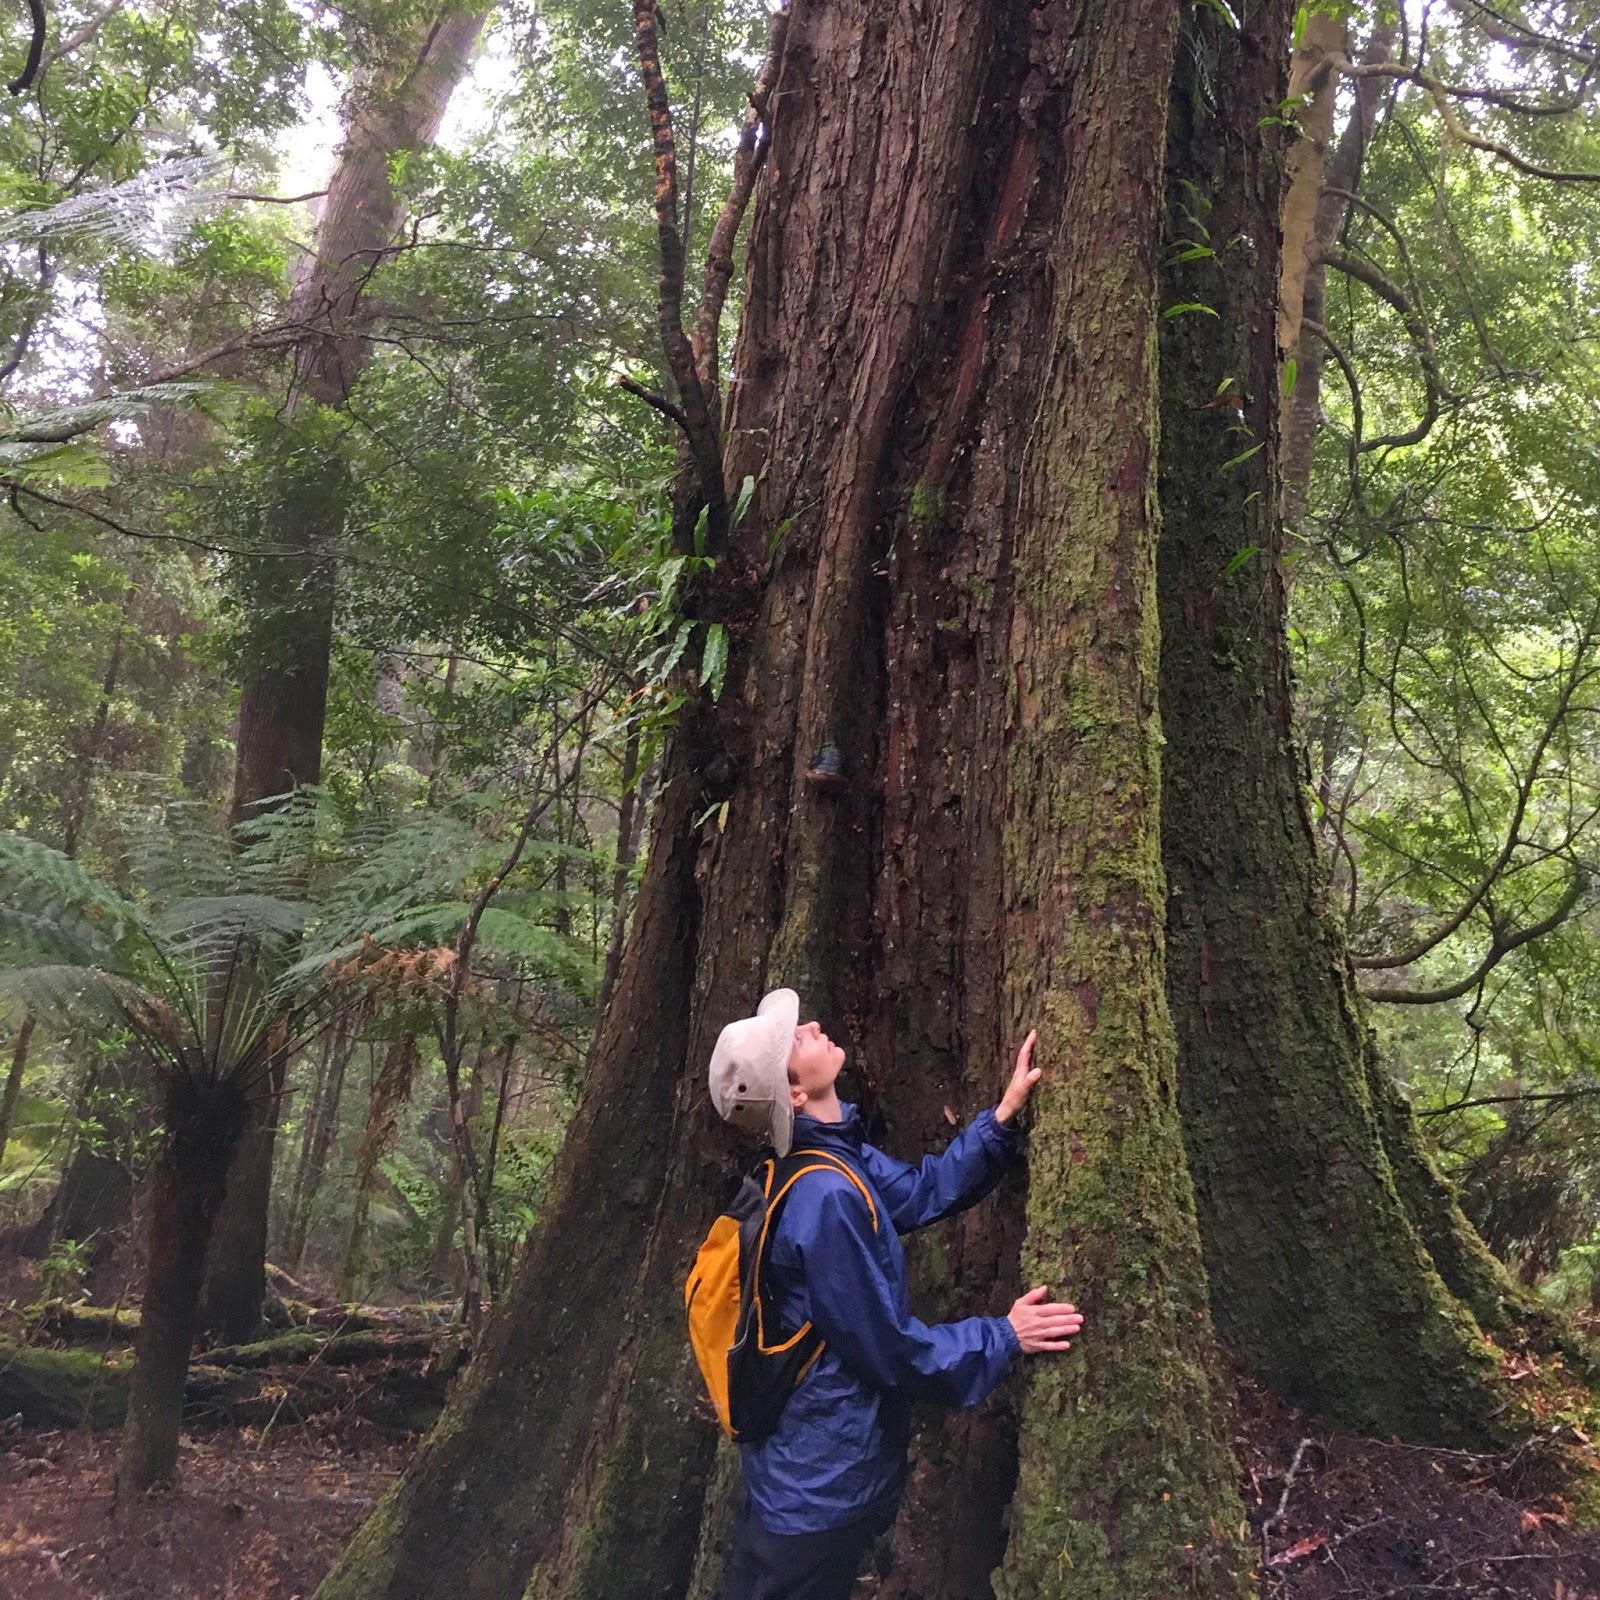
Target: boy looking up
828 1481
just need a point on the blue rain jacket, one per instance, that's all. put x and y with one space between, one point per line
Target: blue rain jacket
839 1452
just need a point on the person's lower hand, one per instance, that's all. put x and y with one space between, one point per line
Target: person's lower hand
1042 1324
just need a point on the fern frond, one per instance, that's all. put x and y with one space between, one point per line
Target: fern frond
144 209
47 890
64 995
56 427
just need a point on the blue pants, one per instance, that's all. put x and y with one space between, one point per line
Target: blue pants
803 1566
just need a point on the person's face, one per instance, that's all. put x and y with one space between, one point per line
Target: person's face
814 1063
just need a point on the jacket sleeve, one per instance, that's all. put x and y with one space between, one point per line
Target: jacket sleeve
958 1177
854 1306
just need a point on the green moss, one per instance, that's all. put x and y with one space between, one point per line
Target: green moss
368 1564
63 1388
927 505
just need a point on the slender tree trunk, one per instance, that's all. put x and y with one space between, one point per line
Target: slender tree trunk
1316 1267
390 1088
13 1088
629 809
899 373
283 700
322 1123
1314 213
204 1124
76 811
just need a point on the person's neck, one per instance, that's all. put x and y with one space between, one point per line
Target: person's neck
825 1109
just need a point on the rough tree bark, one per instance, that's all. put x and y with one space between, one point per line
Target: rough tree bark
283 700
1317 1266
950 292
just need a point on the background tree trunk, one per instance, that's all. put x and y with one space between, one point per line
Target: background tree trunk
1316 1268
94 1202
283 700
886 396
1313 216
204 1123
12 1092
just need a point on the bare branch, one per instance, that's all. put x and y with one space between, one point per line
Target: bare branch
705 445
1500 946
30 69
1442 95
274 199
754 139
659 401
1557 1096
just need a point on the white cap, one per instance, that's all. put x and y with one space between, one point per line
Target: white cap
750 1069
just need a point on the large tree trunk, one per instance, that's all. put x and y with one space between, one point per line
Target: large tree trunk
915 382
1125 1483
1316 1267
203 1124
283 700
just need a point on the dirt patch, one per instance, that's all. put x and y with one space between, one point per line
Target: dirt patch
1338 1517
254 1519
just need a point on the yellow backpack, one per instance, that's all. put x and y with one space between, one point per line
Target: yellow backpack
750 1365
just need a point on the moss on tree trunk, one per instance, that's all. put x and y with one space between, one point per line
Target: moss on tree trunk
1317 1268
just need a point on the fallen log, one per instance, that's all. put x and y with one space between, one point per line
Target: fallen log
395 1381
79 1321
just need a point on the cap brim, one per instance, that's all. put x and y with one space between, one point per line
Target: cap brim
781 1008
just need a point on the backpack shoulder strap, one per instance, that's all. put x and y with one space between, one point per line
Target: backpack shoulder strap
794 1166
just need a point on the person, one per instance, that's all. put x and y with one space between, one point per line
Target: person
820 1489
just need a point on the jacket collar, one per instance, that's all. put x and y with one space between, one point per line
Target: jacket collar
845 1136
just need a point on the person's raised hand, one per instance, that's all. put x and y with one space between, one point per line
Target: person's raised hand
1023 1078
1043 1324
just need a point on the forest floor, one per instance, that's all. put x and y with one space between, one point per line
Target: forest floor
262 1511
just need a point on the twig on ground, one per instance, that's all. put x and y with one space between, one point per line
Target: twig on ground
1283 1500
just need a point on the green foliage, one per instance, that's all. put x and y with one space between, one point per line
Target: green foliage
1445 612
64 1271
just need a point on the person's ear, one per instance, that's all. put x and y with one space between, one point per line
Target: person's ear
797 1097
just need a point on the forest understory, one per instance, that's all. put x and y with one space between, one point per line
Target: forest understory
275 1486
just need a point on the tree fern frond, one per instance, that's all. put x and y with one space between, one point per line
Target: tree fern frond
143 210
56 427
65 994
45 885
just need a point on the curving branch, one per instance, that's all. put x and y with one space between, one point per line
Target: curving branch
1576 677
1444 96
1353 384
1421 335
1500 946
30 69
